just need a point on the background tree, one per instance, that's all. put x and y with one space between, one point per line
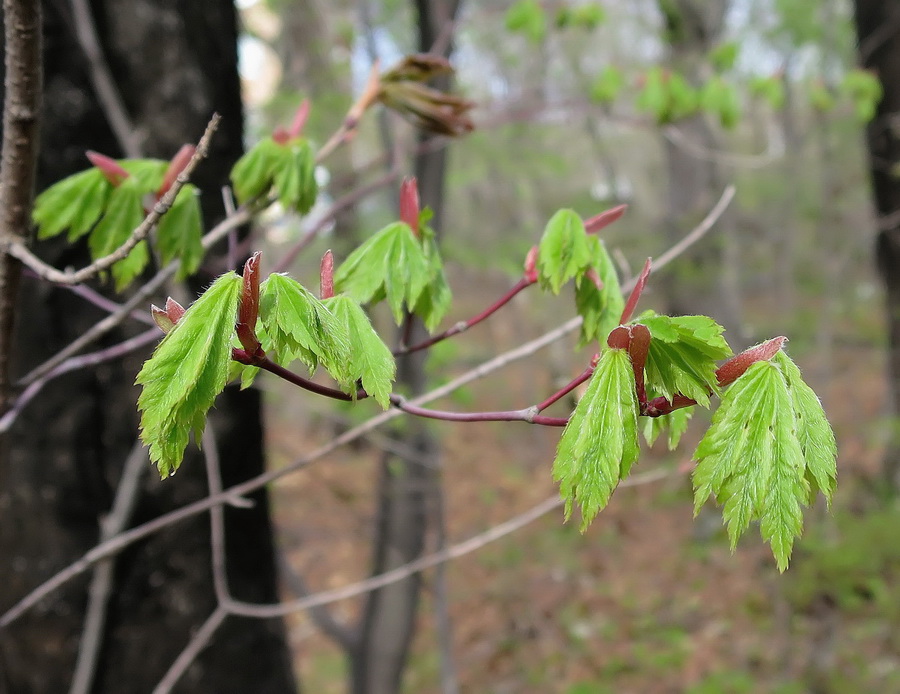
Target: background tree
63 458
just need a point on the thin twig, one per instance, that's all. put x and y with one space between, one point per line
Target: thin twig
73 364
102 581
216 516
98 330
195 646
460 549
101 78
129 537
51 274
18 159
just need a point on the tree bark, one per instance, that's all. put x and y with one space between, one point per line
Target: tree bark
175 63
878 31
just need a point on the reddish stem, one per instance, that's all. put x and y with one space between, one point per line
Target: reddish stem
566 389
248 311
636 293
462 326
604 219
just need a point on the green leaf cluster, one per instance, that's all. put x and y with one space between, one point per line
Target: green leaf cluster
720 98
297 326
582 15
667 95
683 354
87 204
770 88
864 90
564 251
402 268
287 170
527 17
767 451
188 369
600 443
607 85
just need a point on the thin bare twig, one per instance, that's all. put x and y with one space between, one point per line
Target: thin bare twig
102 80
51 274
129 537
195 646
18 159
102 580
73 364
460 549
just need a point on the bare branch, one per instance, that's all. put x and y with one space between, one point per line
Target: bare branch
195 646
460 549
101 77
102 581
129 537
51 274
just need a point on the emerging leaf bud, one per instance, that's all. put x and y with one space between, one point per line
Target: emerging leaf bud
531 273
409 204
594 224
326 276
108 166
176 166
735 367
631 304
248 310
419 67
166 319
283 136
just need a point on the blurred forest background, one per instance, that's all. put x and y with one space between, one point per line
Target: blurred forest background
659 104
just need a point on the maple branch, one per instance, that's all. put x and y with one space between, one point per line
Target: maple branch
234 494
454 551
195 646
51 274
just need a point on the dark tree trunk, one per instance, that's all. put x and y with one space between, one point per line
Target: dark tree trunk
878 30
175 63
406 484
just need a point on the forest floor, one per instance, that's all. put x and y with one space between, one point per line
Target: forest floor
648 600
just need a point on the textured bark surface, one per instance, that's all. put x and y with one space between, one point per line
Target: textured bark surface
878 30
175 63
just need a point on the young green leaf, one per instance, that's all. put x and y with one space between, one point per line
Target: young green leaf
564 251
813 431
752 461
253 174
295 180
186 372
124 212
370 360
600 307
683 354
180 230
301 327
74 203
599 444
398 266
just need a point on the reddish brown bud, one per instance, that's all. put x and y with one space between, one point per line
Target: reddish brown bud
326 276
409 204
249 308
176 166
604 219
108 166
300 118
531 274
735 367
161 318
632 302
174 310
